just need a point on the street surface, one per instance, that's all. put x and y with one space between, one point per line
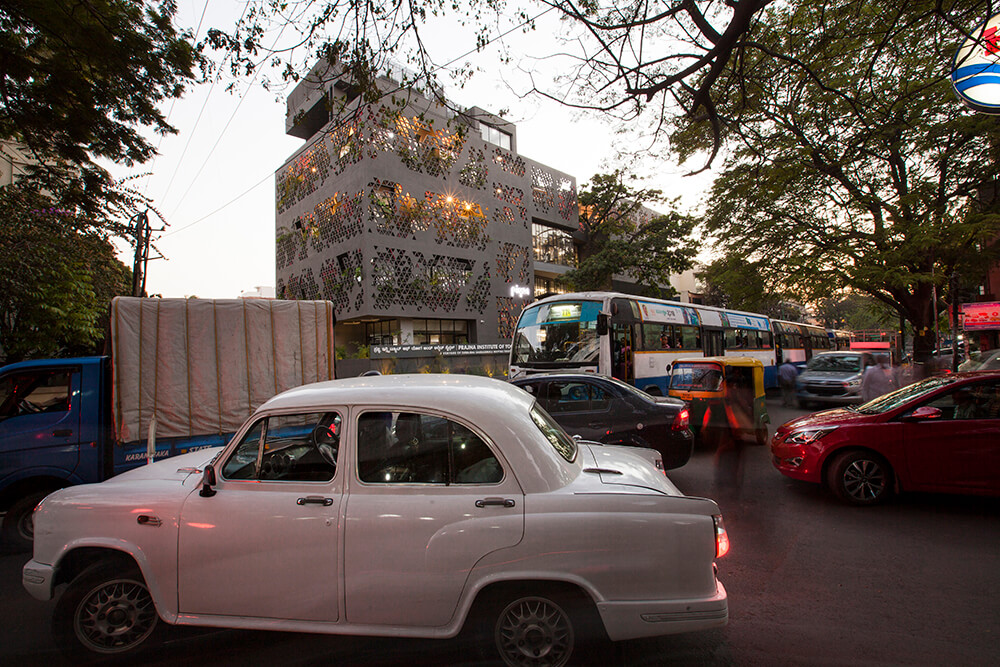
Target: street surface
810 581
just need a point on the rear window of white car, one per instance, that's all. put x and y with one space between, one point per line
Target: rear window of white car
562 443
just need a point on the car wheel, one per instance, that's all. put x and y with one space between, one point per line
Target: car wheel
861 478
761 435
106 611
534 630
18 523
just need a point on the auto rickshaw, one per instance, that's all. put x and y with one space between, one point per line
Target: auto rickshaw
724 393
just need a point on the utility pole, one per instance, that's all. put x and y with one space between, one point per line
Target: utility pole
140 227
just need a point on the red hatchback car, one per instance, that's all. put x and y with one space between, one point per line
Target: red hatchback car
941 434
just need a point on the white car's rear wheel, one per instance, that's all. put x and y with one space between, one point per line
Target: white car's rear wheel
534 631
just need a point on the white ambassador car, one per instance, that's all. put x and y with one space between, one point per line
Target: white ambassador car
402 506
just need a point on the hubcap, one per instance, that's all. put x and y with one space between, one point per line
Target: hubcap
864 480
115 617
535 632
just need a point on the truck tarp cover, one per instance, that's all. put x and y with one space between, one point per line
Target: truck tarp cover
203 365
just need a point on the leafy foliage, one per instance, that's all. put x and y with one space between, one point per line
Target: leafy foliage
620 58
731 282
853 164
57 276
618 235
78 81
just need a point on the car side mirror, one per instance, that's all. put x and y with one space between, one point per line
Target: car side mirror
923 413
602 324
208 482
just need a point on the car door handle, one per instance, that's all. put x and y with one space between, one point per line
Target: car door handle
315 500
498 502
62 432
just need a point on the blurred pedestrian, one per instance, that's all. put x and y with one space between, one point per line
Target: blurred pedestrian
878 379
787 373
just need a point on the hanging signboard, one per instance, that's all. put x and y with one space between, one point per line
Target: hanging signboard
975 70
981 316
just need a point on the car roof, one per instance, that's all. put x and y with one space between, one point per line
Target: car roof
558 376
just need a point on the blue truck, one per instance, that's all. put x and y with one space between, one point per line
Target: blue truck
181 375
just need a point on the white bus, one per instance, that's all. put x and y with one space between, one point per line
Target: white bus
633 338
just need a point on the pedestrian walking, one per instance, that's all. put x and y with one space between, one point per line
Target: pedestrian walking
878 379
787 373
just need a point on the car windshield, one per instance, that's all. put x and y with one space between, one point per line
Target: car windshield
835 362
562 443
696 377
560 334
902 396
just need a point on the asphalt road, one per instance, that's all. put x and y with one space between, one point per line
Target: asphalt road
811 582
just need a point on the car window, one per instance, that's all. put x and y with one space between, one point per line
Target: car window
560 441
415 448
975 401
574 396
292 448
32 392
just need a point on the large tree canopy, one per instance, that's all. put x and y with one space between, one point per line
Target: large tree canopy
79 80
618 235
622 58
853 163
57 276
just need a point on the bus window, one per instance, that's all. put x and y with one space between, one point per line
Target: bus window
690 338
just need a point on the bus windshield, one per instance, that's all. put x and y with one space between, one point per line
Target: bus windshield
558 334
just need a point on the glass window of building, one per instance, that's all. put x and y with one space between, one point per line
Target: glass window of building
384 332
494 136
545 285
440 332
552 245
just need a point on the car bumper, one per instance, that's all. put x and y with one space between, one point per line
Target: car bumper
37 578
834 399
653 618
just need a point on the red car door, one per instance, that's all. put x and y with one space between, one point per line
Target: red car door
959 450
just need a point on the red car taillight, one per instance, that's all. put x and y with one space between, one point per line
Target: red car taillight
682 420
721 536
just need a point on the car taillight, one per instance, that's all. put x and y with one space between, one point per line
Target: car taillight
682 420
721 536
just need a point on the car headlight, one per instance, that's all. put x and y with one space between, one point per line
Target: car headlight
807 436
853 382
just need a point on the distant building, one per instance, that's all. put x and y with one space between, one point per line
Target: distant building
259 292
421 223
14 161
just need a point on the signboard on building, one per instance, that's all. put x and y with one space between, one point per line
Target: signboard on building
980 316
975 70
453 350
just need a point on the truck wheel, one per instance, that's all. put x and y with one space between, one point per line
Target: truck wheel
18 526
106 611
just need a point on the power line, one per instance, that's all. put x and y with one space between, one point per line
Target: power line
314 141
173 102
227 204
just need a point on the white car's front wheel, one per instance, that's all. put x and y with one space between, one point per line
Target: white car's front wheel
105 611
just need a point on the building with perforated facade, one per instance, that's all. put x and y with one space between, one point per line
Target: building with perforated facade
421 223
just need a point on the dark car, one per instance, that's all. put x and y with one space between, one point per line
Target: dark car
941 435
609 411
